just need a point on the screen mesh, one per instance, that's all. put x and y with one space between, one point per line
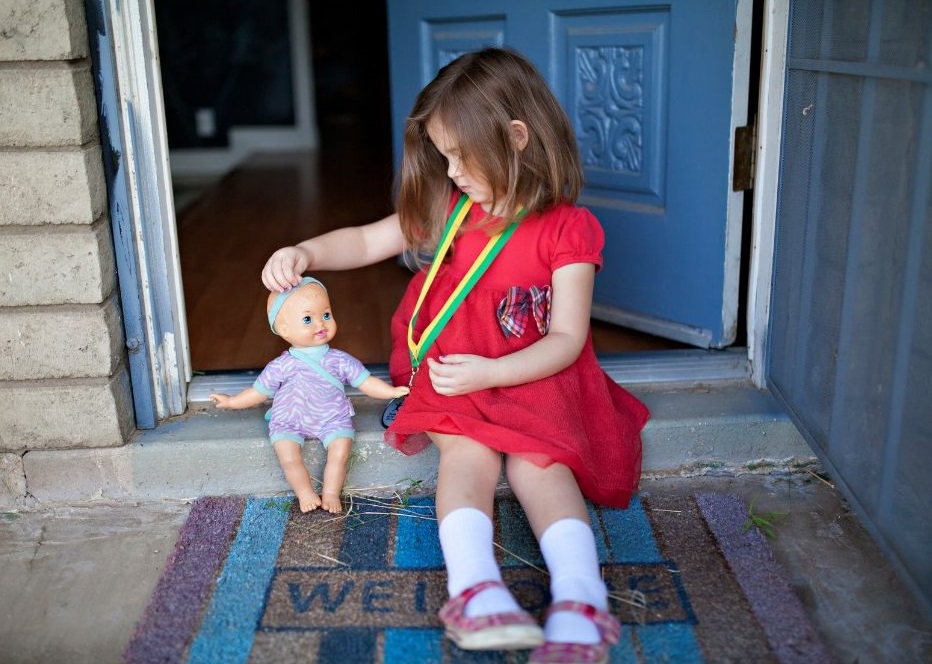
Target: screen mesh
850 349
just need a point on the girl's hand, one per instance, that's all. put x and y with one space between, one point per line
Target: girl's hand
458 374
285 268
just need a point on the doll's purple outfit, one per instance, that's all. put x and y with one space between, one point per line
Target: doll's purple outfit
308 396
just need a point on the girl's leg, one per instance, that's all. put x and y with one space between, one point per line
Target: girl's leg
292 463
467 475
558 516
466 481
338 452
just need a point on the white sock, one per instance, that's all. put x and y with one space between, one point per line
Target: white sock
569 550
466 541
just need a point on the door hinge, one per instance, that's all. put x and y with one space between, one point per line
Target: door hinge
745 152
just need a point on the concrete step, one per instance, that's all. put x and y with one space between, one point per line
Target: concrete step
728 427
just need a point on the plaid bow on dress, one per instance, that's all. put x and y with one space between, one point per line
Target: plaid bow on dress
516 307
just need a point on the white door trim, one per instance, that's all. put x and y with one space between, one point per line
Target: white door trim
766 180
151 214
740 90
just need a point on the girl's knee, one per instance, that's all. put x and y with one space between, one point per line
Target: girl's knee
519 469
527 479
471 455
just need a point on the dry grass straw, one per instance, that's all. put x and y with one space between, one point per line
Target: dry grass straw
388 501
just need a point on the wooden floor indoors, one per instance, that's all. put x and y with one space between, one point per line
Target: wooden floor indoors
228 232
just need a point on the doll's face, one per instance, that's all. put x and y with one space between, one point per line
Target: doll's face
305 318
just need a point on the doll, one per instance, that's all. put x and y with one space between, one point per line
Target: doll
306 385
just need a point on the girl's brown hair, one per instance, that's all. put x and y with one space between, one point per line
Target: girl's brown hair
475 98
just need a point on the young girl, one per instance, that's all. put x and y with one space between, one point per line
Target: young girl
505 373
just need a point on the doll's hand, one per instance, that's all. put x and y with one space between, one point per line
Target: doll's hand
220 400
460 374
284 268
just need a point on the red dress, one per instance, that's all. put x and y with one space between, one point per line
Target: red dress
578 417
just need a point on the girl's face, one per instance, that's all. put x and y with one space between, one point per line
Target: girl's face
473 184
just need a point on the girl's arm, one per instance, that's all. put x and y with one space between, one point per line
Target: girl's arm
341 249
558 349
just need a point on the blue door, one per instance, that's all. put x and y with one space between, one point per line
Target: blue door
650 89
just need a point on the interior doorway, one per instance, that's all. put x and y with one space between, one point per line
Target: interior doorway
228 226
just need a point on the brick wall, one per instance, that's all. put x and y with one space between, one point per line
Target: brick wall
63 372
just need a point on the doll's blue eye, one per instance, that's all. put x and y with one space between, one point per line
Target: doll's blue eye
327 316
306 320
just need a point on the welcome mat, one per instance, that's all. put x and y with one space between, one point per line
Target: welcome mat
255 580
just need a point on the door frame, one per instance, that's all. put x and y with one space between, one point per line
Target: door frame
141 209
775 32
139 80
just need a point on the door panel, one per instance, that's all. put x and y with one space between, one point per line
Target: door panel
648 87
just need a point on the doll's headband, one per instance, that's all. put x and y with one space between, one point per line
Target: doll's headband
281 297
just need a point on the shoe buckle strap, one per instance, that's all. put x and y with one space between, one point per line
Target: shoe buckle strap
458 604
608 625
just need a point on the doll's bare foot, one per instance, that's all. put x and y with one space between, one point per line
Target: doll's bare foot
332 502
308 501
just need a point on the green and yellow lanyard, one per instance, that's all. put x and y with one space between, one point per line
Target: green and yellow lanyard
480 265
492 248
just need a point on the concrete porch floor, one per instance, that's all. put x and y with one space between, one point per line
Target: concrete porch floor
81 553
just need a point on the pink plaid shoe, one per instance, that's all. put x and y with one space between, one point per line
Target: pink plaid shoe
579 653
513 630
